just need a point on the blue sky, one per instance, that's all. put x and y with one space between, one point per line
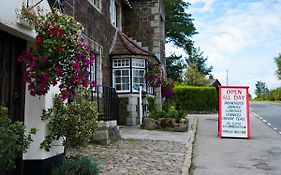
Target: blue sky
241 36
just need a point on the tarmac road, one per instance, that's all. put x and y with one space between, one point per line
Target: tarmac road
259 155
269 113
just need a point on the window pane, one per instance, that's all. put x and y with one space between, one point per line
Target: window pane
118 87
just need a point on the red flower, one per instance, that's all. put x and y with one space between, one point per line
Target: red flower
85 84
61 49
77 79
75 67
44 58
39 40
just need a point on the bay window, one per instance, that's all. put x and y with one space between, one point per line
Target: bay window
128 74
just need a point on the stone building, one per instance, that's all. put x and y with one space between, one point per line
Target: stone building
125 34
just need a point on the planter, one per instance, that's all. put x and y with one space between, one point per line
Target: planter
167 124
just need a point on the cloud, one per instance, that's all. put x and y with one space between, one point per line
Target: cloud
207 5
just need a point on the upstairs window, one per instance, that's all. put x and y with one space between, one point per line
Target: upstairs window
115 14
96 3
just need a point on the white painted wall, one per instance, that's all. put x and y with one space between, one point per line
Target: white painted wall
33 112
33 105
8 18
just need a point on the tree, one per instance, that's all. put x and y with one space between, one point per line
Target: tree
278 63
261 90
197 58
194 77
179 25
175 66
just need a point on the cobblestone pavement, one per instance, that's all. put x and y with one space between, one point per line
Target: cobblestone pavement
138 157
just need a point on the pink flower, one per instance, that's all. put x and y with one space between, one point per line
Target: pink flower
58 70
85 84
46 75
63 95
35 57
39 40
31 64
44 58
77 79
54 82
94 83
43 88
20 58
92 58
75 67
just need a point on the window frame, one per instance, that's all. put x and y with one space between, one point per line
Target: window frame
97 4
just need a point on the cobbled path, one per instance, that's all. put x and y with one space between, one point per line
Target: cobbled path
138 157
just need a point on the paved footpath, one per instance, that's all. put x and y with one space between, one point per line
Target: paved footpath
260 155
142 152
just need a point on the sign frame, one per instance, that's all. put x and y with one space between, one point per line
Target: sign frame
220 117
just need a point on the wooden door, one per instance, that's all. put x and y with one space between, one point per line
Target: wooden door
12 88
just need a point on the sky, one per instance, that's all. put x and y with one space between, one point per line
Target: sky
241 36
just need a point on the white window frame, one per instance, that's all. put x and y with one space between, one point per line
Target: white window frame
113 13
137 84
120 63
121 83
97 4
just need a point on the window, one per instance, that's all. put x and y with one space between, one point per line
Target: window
121 79
113 13
139 63
93 73
96 3
138 79
121 63
128 74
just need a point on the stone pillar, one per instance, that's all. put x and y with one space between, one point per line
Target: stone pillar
132 109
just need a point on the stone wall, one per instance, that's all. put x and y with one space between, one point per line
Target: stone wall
97 27
106 132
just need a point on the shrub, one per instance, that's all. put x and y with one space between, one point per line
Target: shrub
73 122
157 114
152 106
13 141
77 166
196 99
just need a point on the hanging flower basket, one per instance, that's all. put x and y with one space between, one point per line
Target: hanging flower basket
153 76
167 89
59 55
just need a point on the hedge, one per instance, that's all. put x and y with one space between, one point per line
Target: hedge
196 99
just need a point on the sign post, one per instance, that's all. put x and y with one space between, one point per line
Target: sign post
234 114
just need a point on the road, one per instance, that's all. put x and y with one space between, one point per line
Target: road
269 113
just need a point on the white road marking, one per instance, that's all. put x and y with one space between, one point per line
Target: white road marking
275 128
264 121
260 118
279 132
268 124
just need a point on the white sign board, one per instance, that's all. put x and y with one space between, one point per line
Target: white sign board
234 112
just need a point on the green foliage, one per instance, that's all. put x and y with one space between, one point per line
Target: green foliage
13 140
169 111
194 77
179 25
196 99
175 66
152 106
197 59
77 166
272 95
261 91
74 122
278 64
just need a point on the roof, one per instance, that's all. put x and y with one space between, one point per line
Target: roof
126 46
213 82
